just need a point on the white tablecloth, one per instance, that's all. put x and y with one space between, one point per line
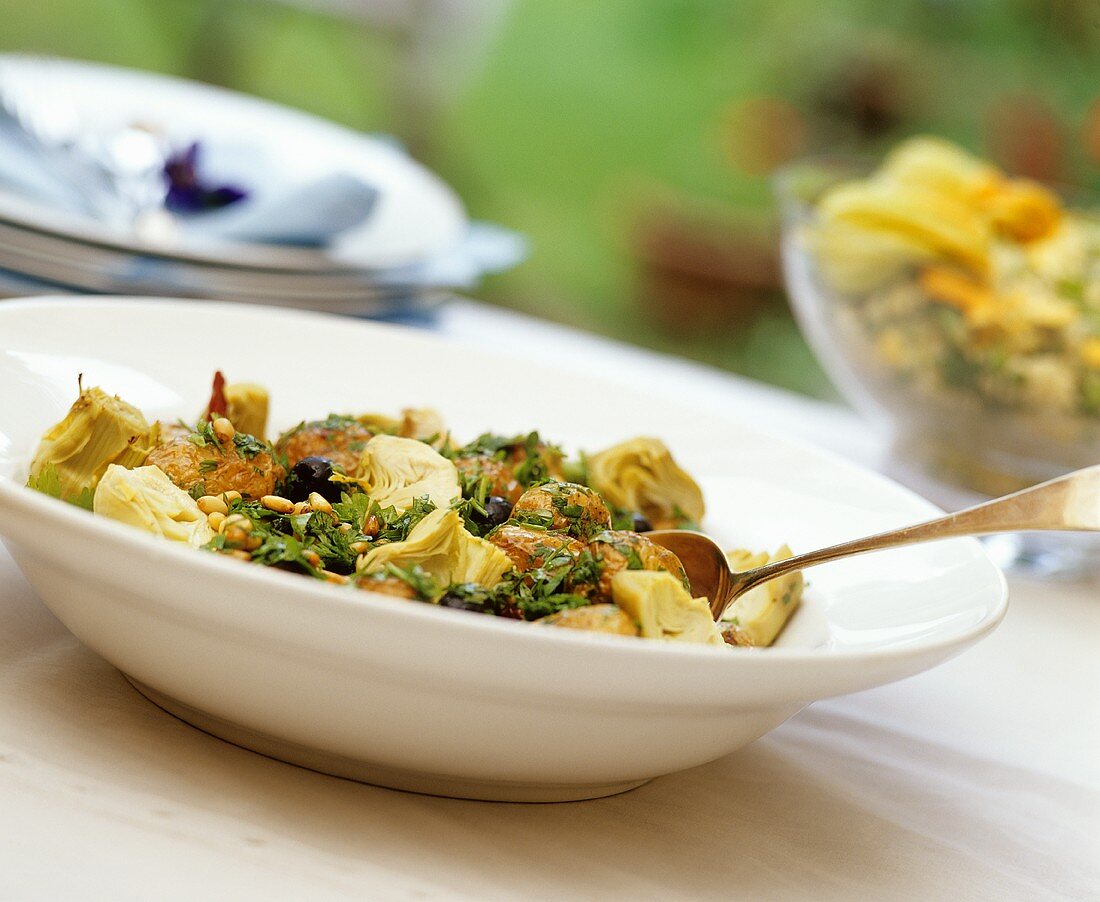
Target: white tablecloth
978 780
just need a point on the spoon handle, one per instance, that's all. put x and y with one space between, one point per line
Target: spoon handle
1070 502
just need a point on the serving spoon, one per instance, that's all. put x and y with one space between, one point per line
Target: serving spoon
1070 502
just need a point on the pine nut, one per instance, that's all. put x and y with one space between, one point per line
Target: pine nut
211 504
238 520
319 502
223 429
372 526
313 557
252 543
234 535
216 520
241 555
345 528
302 507
278 504
334 577
231 496
360 547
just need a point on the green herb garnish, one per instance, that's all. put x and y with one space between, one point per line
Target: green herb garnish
425 586
48 482
248 446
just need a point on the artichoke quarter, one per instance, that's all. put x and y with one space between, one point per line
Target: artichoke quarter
99 430
663 608
146 498
396 471
641 475
441 546
246 407
756 618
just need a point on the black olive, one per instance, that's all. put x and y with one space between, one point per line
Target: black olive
641 524
311 474
497 511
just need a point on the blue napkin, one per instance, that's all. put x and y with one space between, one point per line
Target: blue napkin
25 170
308 213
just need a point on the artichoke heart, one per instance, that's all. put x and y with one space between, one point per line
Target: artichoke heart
99 430
379 423
146 498
641 475
756 618
663 608
396 471
424 424
440 545
246 406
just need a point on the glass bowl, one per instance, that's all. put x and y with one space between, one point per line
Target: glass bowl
964 426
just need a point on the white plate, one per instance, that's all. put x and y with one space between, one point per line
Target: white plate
415 217
412 696
101 270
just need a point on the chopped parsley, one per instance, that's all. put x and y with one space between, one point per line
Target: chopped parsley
682 520
533 519
337 421
473 513
203 435
48 482
353 508
248 446
561 579
396 525
422 582
533 460
537 462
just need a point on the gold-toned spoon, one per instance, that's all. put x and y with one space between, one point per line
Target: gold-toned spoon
1071 502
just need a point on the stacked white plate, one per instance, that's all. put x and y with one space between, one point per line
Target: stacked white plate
414 246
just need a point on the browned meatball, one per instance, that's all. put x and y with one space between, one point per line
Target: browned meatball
388 585
528 549
620 550
340 439
599 618
219 468
576 509
170 432
501 478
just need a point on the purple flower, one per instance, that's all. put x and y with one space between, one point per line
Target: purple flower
187 193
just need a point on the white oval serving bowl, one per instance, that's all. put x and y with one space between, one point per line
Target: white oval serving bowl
434 700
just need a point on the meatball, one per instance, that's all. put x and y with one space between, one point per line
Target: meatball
529 549
599 618
575 509
340 439
171 432
501 479
219 468
388 585
619 550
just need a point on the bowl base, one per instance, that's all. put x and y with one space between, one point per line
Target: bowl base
377 775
